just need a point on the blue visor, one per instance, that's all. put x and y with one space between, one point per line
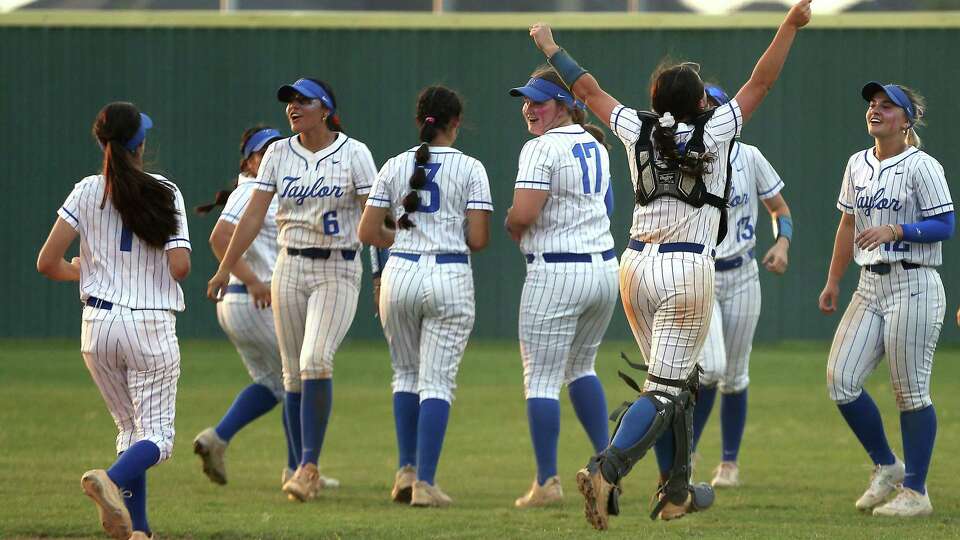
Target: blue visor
260 139
141 134
896 95
717 94
307 89
540 90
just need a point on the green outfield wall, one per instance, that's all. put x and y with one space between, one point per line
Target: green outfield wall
204 78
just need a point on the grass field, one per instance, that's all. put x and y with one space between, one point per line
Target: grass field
802 468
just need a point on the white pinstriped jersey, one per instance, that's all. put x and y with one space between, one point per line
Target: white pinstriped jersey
114 264
905 188
667 219
575 168
261 256
752 178
317 191
456 183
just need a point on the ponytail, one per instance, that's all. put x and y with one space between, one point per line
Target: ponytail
145 204
219 199
257 147
920 109
411 202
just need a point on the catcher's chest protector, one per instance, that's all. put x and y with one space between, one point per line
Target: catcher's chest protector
658 178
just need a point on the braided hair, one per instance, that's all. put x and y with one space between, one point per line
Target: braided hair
437 106
677 89
145 204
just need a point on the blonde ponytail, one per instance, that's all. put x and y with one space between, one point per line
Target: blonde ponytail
920 108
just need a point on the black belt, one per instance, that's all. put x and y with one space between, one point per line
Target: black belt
440 258
671 247
722 265
238 288
884 268
99 303
321 253
571 257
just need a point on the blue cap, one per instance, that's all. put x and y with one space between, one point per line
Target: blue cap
717 94
260 139
308 89
141 134
540 90
896 95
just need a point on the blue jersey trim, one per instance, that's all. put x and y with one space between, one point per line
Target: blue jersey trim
774 188
533 182
70 214
897 163
379 199
936 207
177 240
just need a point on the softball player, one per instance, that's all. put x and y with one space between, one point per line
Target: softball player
560 219
736 308
244 313
321 178
134 249
667 273
896 211
441 199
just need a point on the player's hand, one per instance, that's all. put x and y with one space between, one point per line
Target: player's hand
776 260
828 298
799 14
376 297
260 292
869 239
543 37
75 262
217 285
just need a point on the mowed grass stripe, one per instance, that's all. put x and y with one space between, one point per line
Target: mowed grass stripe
801 466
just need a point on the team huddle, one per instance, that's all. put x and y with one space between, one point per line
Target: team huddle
290 242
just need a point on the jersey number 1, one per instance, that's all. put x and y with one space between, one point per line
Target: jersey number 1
126 238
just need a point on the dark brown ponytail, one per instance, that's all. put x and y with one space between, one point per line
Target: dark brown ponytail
677 89
145 204
220 197
437 106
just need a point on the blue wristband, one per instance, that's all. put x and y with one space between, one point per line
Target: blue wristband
568 68
783 227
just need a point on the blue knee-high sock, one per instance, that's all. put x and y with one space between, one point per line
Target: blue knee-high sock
543 416
291 412
406 411
733 418
135 499
314 415
590 404
863 417
701 412
431 427
251 403
919 430
634 424
291 453
134 462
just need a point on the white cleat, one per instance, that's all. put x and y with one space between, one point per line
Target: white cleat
907 503
726 475
883 482
211 449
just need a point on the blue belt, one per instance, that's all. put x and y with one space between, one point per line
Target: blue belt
321 253
722 265
238 288
571 257
884 268
672 247
441 258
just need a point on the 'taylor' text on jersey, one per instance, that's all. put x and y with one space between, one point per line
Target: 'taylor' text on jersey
877 201
317 190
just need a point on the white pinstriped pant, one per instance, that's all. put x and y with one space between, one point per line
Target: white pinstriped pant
565 309
899 314
668 301
314 302
252 332
725 357
427 312
134 359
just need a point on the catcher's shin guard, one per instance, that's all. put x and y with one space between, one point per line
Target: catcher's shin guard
615 463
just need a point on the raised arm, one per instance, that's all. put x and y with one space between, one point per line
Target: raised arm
768 68
583 84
